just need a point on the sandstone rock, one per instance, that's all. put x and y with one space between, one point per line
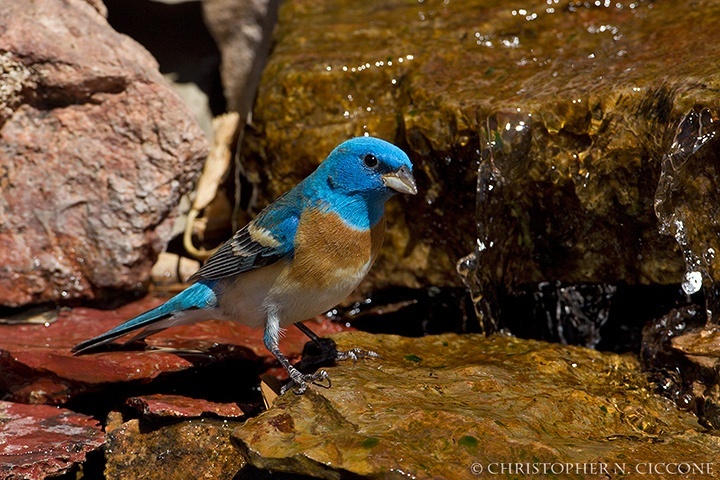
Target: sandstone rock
194 449
99 6
174 32
578 102
39 441
683 358
96 152
452 406
178 406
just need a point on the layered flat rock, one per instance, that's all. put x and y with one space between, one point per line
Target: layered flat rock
452 406
177 406
37 366
38 441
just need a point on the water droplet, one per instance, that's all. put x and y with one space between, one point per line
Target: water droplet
692 282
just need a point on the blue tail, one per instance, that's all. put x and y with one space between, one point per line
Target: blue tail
197 295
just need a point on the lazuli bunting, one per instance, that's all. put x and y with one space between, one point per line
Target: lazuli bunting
298 258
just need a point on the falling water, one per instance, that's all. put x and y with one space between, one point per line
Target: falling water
687 202
473 269
574 313
506 139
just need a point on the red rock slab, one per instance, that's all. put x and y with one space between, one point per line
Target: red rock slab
36 365
179 406
37 441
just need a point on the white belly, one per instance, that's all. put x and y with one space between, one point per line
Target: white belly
243 299
295 302
252 295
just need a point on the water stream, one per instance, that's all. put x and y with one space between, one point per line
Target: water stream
506 139
687 203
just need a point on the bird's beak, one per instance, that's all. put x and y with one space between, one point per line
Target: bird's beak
401 180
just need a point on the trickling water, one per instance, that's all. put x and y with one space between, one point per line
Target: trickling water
506 138
687 202
576 313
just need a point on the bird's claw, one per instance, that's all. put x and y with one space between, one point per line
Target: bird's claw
301 381
356 353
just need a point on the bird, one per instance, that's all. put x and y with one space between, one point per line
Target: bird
298 258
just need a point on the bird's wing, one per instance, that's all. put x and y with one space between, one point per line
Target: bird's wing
268 238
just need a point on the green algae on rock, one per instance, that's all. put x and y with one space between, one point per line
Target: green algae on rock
470 401
601 85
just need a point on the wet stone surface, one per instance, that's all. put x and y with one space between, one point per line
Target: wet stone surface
432 407
37 441
191 449
176 406
682 357
578 102
542 138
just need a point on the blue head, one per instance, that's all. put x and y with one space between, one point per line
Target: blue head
368 167
363 173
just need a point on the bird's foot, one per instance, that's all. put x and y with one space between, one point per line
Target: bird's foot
324 350
301 380
355 353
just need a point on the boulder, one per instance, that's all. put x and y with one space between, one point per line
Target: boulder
568 108
96 151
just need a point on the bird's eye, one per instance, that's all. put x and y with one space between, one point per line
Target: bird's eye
370 160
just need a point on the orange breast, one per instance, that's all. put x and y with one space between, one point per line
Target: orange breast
326 248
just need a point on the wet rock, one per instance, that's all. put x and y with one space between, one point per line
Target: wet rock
686 204
36 365
38 441
578 102
682 358
435 407
161 405
193 449
97 150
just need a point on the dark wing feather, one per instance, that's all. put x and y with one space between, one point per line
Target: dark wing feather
239 254
274 231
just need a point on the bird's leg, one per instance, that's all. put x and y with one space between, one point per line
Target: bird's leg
310 334
330 351
301 380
